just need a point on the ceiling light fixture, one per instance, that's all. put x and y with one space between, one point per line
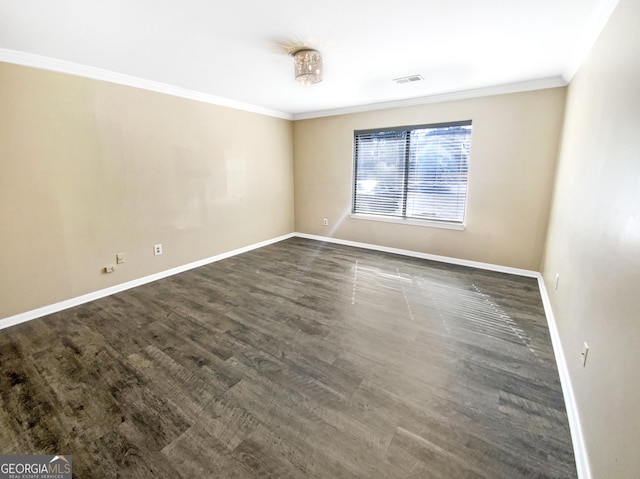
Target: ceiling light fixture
308 65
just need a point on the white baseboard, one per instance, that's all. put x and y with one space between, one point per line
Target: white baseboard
584 471
577 438
85 298
431 257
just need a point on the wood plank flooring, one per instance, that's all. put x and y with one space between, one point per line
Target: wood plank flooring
301 359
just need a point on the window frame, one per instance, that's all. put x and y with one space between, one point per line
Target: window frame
430 222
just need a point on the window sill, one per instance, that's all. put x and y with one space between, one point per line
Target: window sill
407 221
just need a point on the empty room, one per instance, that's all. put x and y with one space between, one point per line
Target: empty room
320 239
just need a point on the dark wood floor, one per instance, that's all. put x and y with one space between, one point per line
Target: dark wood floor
298 360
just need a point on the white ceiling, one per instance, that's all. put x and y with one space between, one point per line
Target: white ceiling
237 49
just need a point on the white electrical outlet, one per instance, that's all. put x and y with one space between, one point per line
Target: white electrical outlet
585 351
119 258
325 222
157 249
109 268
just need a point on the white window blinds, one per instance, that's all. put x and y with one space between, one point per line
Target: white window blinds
417 172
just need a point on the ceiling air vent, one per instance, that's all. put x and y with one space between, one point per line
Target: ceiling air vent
409 79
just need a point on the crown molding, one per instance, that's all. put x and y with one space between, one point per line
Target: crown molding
61 66
516 87
596 23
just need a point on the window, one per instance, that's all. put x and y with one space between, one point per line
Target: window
415 172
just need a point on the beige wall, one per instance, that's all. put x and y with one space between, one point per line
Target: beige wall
594 244
89 169
513 154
